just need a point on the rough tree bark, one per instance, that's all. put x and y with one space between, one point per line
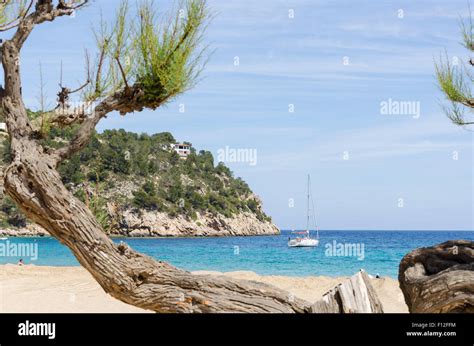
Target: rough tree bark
439 278
33 182
355 295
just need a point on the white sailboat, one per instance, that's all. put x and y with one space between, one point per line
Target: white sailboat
303 238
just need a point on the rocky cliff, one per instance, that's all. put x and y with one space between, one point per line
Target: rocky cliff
137 186
156 224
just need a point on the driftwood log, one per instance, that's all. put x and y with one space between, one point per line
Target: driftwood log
439 278
355 295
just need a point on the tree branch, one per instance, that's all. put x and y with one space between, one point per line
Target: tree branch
122 72
115 102
44 11
68 116
98 76
127 100
15 22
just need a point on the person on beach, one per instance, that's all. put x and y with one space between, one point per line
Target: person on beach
20 262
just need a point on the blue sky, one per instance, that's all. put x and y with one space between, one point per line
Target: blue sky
335 62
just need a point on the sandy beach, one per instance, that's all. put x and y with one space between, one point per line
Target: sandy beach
32 289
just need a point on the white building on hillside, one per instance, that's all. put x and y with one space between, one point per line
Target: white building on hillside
3 127
183 149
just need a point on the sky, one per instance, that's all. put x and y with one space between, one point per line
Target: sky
302 84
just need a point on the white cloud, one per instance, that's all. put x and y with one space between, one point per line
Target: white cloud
409 138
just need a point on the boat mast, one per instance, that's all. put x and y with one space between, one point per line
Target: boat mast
307 207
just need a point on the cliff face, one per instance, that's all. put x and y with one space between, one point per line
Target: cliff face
138 187
153 224
156 224
133 222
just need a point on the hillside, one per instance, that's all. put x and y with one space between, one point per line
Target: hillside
138 185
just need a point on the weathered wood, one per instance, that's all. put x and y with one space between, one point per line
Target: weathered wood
439 278
123 273
33 182
355 295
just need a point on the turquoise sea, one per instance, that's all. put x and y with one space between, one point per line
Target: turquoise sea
267 255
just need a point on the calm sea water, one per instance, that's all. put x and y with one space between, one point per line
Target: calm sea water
268 255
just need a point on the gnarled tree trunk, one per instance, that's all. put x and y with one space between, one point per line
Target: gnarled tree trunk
35 185
33 182
439 278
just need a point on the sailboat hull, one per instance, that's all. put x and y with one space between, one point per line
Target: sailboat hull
305 242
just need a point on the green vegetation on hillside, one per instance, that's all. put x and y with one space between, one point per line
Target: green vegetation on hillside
159 179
